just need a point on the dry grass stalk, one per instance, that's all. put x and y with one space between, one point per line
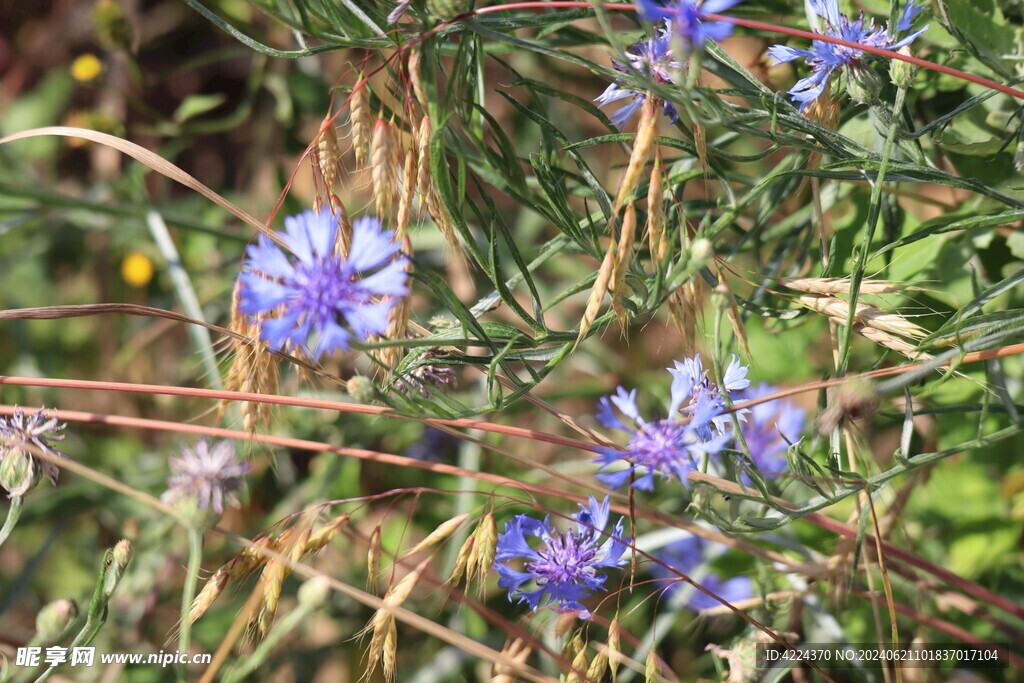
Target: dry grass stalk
656 214
838 285
623 254
373 559
383 173
646 134
382 624
398 322
890 341
253 368
484 549
423 176
328 158
604 276
517 651
443 531
361 120
700 143
390 650
435 207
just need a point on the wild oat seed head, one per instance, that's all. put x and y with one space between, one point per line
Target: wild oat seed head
19 466
323 301
361 120
206 477
564 568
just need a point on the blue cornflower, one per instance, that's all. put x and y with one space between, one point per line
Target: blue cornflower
689 378
565 566
684 556
687 24
206 477
665 446
824 58
769 427
319 294
652 57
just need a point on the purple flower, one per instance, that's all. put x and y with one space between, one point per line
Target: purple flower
19 466
319 294
564 567
824 58
686 22
684 556
664 446
769 428
654 59
689 378
208 476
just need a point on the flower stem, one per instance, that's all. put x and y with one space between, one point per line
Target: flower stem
188 591
13 514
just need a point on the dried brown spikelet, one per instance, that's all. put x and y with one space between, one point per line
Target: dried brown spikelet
838 285
686 308
361 120
578 670
398 593
373 558
646 134
462 561
437 212
623 254
328 157
656 214
598 666
485 549
380 626
890 341
732 312
869 316
271 581
423 176
614 646
516 650
383 162
408 193
700 143
443 531
253 370
604 276
416 77
238 568
652 671
390 651
325 534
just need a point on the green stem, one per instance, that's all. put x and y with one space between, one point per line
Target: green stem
188 591
863 253
13 514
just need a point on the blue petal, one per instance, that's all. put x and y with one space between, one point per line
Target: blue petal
614 480
371 247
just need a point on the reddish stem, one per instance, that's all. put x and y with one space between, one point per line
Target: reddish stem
771 28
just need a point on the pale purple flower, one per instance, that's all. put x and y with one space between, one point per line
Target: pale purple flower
770 428
824 58
666 447
319 295
684 556
20 432
689 378
209 476
655 59
564 566
687 25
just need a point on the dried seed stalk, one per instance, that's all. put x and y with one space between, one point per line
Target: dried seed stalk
604 277
838 285
656 214
253 368
373 558
443 531
383 174
271 581
623 254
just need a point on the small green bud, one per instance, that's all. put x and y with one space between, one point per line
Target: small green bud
362 389
701 250
314 592
902 73
19 471
53 621
863 83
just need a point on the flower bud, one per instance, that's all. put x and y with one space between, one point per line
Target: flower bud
902 73
361 389
54 619
19 472
863 83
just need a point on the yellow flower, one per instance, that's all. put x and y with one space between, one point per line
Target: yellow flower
137 269
86 68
